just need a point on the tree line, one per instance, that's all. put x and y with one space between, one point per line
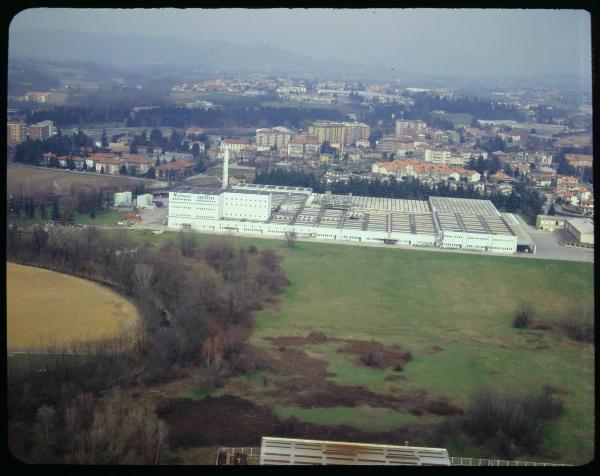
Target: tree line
69 116
59 207
477 107
234 116
31 151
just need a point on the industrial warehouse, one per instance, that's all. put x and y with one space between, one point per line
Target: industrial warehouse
274 210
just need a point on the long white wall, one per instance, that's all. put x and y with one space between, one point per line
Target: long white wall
303 231
479 242
246 206
194 206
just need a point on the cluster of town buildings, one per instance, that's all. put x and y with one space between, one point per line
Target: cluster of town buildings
415 150
41 97
321 92
111 163
18 131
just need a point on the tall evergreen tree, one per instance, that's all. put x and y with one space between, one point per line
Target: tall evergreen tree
55 211
104 139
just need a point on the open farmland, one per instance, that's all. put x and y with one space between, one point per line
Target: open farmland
44 308
38 181
452 312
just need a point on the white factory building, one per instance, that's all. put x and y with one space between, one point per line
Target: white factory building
272 210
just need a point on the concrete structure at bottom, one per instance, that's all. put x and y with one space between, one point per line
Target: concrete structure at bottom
272 211
290 451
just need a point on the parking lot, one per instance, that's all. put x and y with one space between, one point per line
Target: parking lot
548 244
155 218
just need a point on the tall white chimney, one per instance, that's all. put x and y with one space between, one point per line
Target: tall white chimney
226 169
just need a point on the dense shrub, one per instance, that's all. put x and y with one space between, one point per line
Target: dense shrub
579 325
218 253
505 424
523 316
372 358
579 328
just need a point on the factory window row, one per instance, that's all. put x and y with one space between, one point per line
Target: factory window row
211 209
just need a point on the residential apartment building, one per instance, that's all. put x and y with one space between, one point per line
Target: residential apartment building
405 145
409 128
355 132
277 137
424 171
42 97
193 132
303 145
137 163
233 145
387 144
340 132
327 131
579 160
174 170
108 166
41 131
16 132
438 156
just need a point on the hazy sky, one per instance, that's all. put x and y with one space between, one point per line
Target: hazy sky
437 41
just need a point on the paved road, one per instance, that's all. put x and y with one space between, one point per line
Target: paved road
547 243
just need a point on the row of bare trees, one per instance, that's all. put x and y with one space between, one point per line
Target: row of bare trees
89 430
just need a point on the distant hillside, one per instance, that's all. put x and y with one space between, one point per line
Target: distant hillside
136 50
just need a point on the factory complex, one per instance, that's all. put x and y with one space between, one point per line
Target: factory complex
274 210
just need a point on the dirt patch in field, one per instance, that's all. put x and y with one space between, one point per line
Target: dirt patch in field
540 325
216 421
376 355
306 385
432 350
312 338
233 421
305 393
394 378
300 380
561 329
290 361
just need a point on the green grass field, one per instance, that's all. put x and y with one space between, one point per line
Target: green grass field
104 217
418 299
462 303
457 118
299 105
